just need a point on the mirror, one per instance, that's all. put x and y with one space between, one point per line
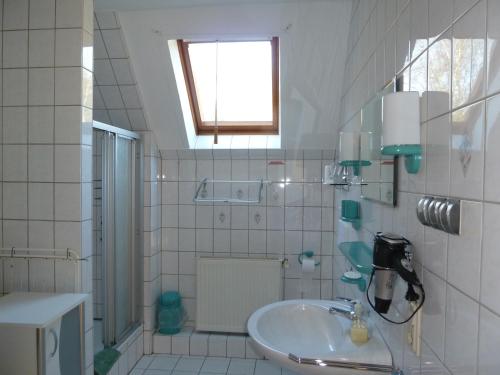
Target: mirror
379 171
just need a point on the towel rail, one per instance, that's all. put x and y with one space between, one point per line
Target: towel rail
342 364
39 253
201 192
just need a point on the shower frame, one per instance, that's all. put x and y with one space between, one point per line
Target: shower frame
111 335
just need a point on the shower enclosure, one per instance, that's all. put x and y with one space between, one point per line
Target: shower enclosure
117 271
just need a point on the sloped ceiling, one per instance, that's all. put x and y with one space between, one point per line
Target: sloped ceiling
116 97
313 38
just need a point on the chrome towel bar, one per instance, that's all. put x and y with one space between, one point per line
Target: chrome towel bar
342 364
202 195
37 253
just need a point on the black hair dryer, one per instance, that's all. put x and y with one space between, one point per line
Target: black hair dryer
392 256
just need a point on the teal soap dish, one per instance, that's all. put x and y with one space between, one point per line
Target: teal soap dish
354 277
359 254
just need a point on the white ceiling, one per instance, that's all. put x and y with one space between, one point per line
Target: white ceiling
124 5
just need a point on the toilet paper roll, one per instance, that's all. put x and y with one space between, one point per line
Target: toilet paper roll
308 265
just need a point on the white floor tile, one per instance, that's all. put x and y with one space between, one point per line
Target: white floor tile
164 362
236 346
191 364
200 365
249 350
156 372
144 362
215 365
263 367
241 367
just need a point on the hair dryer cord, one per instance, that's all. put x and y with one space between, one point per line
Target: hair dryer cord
422 296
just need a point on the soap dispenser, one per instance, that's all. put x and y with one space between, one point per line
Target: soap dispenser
359 330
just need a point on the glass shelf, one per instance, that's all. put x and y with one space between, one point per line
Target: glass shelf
361 283
359 254
356 223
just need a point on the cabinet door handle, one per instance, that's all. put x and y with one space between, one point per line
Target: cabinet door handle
56 343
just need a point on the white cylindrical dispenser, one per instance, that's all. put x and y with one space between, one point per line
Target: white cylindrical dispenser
401 119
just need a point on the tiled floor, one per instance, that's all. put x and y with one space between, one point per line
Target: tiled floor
188 365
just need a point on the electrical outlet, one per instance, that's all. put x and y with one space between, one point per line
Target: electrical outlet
414 328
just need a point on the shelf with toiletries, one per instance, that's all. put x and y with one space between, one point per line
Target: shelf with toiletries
342 175
359 254
360 160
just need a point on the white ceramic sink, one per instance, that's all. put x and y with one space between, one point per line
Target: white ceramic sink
303 336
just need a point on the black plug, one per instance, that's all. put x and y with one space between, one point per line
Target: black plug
411 295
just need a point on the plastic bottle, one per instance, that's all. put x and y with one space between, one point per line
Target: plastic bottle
359 330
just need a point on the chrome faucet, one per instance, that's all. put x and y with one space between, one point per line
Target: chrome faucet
346 309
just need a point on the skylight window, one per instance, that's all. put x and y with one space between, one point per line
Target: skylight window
233 86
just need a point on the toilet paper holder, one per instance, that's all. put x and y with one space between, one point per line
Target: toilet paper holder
309 254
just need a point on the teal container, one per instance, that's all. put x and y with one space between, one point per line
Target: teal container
171 313
350 210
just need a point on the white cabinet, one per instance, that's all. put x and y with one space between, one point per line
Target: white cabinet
42 334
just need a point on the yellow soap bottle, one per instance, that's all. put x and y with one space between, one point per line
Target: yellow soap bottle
359 330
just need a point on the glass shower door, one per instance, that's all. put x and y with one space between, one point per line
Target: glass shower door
121 265
124 184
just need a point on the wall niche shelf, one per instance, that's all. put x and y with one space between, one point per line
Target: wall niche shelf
359 254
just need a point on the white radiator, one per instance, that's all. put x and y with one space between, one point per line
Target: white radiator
229 290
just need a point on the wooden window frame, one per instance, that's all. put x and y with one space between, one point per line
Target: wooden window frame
231 128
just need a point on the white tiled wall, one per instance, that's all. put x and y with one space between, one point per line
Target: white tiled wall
152 236
448 51
190 342
46 107
46 143
116 97
296 213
